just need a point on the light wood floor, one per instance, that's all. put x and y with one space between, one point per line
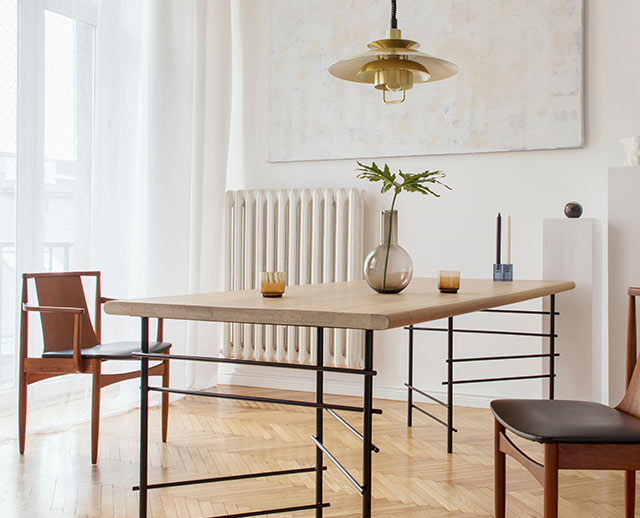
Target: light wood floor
413 476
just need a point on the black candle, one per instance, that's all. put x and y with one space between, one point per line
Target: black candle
498 231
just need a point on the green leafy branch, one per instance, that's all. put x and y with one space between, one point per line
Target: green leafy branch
409 182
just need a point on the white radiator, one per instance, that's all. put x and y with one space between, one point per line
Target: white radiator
314 235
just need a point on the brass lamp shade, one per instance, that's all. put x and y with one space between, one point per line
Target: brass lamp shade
393 64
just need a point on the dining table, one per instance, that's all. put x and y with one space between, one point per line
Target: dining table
343 305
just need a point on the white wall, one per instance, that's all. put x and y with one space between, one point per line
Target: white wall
460 225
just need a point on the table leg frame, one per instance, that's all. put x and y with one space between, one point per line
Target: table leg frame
319 416
144 417
409 383
367 426
367 410
451 359
552 346
450 385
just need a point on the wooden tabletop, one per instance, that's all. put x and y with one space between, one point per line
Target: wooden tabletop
342 304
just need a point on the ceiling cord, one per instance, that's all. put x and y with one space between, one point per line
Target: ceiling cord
394 21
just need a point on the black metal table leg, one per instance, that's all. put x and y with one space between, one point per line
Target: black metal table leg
450 385
410 380
552 346
144 416
319 417
450 381
367 425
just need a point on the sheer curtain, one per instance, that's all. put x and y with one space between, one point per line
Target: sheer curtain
161 132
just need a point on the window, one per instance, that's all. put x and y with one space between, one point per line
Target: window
8 168
47 52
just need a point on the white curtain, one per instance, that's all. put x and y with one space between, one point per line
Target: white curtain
162 117
163 125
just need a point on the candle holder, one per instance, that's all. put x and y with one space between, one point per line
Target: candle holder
272 284
448 281
503 272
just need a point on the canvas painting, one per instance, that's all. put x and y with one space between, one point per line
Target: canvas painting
519 86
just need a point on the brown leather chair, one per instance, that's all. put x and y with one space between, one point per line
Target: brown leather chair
575 434
72 344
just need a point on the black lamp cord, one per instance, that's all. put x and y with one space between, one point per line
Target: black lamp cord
394 20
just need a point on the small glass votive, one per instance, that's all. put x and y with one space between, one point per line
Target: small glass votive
448 281
272 284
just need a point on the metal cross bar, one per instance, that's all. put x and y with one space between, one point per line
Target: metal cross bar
351 429
274 511
256 363
521 311
436 419
507 378
228 478
511 357
485 332
322 448
259 399
422 393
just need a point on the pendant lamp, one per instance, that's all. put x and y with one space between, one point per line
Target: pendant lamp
393 64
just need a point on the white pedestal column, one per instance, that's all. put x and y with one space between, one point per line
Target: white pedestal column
568 254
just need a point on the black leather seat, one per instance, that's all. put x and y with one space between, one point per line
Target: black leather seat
110 351
566 421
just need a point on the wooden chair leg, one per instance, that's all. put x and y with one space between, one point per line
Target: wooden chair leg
165 401
95 411
499 470
22 411
629 494
550 481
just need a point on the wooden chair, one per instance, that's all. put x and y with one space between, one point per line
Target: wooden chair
72 344
575 434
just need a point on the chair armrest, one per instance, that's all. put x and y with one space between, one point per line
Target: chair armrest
52 309
77 328
105 299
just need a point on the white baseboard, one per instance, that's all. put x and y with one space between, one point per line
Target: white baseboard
231 376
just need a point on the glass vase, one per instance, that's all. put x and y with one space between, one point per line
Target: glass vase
388 267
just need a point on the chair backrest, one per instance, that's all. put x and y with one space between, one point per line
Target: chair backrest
64 289
630 403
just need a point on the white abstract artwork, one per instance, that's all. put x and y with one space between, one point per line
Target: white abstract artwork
519 85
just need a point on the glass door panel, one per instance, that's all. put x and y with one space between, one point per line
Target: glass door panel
68 141
8 171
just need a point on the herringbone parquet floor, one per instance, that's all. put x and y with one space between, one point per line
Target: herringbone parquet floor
413 476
